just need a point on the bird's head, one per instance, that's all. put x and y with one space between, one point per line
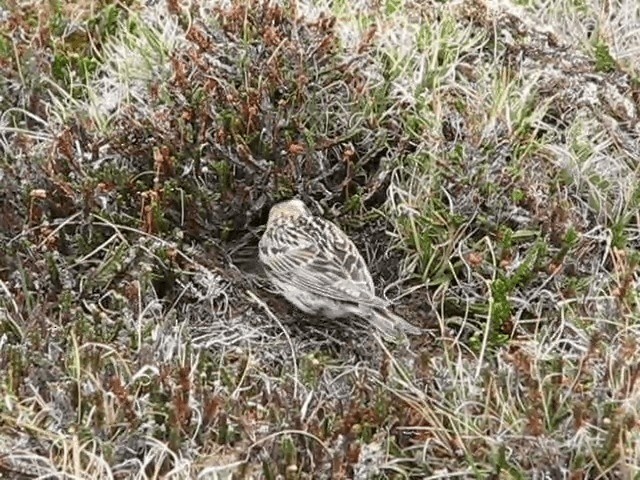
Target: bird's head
288 210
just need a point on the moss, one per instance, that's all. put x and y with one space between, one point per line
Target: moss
604 61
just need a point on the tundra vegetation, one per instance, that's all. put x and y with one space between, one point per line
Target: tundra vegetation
483 155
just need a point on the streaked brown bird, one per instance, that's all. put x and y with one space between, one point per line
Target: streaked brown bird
317 268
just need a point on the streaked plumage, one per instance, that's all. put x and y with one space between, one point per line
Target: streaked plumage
319 269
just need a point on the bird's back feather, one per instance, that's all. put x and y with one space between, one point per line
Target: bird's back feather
314 254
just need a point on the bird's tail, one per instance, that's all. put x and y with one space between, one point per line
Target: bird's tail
390 323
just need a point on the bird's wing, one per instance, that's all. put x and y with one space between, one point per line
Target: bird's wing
346 253
330 267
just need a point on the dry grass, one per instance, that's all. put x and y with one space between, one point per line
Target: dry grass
483 155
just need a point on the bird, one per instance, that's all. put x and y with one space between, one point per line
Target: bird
316 267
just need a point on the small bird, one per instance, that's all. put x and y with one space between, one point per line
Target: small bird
317 268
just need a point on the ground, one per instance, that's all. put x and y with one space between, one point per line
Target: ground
483 156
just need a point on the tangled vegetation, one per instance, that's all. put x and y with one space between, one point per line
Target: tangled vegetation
483 155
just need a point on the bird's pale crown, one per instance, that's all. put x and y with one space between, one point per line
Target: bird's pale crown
288 209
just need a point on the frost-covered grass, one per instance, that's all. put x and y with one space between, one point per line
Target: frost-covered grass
484 157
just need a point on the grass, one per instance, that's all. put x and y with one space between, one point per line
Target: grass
485 165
